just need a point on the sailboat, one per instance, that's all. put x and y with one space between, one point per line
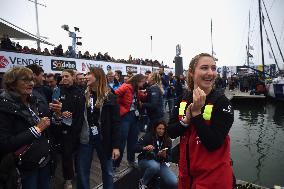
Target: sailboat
274 83
274 86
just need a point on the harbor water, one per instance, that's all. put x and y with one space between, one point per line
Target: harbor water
257 142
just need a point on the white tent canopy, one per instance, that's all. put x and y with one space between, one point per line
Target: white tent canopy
15 32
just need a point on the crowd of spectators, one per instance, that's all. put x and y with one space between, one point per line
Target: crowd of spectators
7 44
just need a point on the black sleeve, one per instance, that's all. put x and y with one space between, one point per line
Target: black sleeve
141 143
78 114
175 128
154 94
115 125
213 136
10 142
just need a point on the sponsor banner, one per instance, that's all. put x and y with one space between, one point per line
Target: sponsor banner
143 69
9 60
132 69
52 64
59 65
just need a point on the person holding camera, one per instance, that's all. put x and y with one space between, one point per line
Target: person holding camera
155 151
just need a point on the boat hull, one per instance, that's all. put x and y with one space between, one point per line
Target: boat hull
276 91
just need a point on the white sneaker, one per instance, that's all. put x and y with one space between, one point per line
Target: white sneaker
68 184
141 184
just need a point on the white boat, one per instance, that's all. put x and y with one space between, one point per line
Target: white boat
275 88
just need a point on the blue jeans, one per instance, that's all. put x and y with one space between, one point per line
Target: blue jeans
38 179
129 130
171 103
85 157
153 168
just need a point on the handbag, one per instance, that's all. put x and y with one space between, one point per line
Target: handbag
34 155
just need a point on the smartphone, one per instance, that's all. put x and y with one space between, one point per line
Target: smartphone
163 150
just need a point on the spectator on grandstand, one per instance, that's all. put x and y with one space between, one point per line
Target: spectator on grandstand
86 55
94 57
19 47
58 51
99 56
79 55
130 58
46 52
107 57
6 44
70 52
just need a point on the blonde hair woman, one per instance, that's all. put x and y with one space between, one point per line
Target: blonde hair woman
154 100
100 130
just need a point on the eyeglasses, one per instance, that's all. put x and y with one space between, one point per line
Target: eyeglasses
27 79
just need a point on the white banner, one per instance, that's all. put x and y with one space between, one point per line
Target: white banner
52 64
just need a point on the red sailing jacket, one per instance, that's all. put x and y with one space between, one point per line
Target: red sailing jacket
200 168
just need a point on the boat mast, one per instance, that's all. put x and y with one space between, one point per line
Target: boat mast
268 40
261 39
212 51
273 32
248 46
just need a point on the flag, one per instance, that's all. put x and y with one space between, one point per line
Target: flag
250 55
251 48
270 55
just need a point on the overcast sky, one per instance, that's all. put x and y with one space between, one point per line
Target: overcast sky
124 27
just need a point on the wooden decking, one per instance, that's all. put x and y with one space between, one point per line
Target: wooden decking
237 94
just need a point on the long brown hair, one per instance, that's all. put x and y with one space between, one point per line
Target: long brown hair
101 87
166 139
192 66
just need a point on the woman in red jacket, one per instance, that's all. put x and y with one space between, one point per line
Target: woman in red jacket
128 97
203 118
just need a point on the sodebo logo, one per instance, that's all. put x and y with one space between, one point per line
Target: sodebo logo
3 62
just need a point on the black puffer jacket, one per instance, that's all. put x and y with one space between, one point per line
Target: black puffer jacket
15 123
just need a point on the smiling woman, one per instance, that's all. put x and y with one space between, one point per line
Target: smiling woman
203 118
